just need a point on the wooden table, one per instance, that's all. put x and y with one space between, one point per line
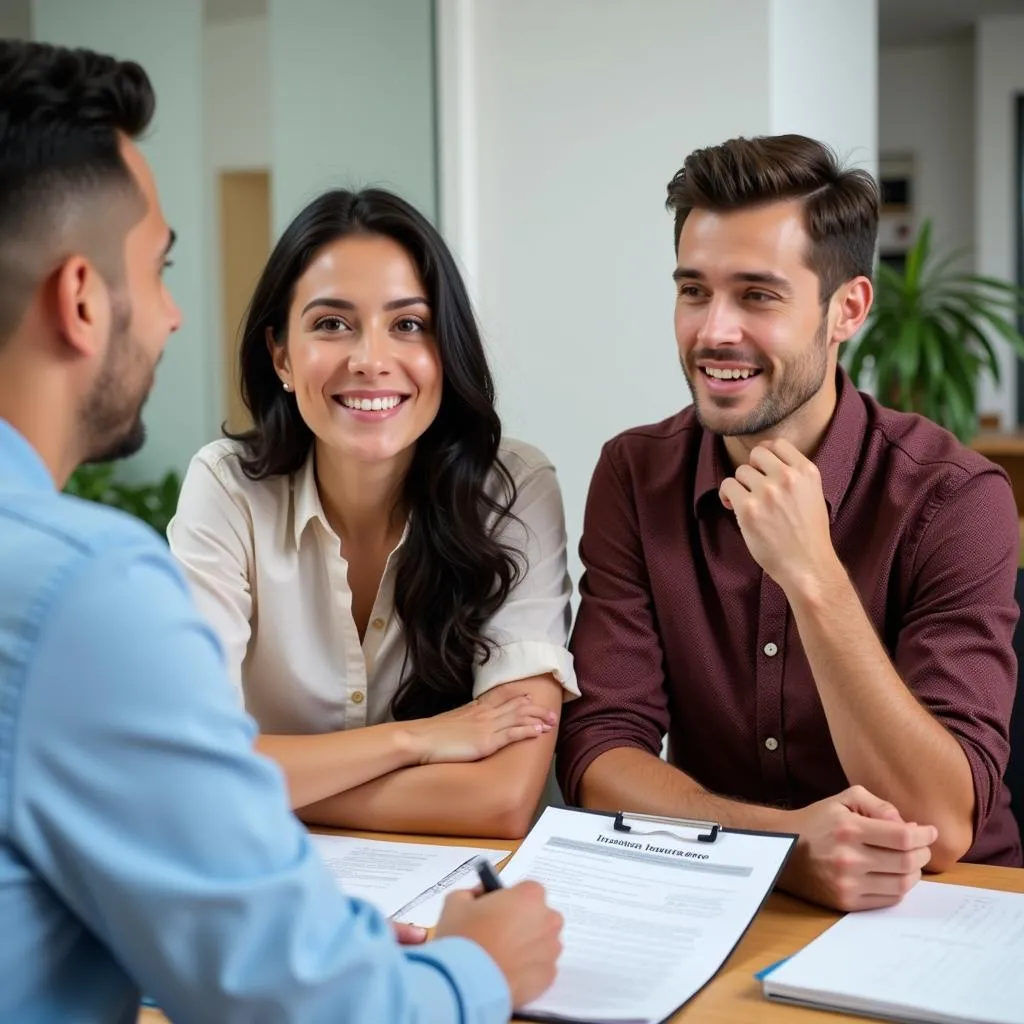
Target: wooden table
783 926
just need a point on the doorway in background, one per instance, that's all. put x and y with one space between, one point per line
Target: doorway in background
244 201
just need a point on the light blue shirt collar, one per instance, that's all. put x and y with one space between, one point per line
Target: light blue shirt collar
20 461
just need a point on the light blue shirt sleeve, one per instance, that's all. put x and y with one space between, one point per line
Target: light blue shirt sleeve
137 796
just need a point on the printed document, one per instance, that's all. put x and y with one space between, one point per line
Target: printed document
425 909
649 918
393 875
945 953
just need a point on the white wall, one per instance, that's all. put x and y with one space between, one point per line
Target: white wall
1000 76
166 39
561 125
236 94
352 100
813 93
583 113
926 107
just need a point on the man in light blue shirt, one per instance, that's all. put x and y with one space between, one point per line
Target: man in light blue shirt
143 845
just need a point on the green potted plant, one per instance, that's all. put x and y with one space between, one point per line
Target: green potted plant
153 503
926 339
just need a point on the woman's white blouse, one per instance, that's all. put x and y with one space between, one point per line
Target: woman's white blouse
270 577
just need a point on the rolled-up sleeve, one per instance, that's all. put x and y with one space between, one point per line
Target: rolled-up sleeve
615 643
140 801
530 631
955 646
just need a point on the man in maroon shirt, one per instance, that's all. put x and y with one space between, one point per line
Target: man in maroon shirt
810 594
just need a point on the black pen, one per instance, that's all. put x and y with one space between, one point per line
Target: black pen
488 876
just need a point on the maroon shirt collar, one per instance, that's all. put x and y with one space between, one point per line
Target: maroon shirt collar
836 459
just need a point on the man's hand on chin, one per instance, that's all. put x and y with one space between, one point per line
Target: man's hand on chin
781 511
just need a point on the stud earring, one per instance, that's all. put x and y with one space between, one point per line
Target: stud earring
286 385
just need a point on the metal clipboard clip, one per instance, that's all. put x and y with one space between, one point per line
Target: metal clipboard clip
639 825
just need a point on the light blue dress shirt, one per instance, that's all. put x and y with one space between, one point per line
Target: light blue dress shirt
143 845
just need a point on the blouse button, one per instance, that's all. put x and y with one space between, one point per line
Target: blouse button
377 623
357 697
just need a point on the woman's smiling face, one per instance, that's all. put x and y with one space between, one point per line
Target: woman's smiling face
360 353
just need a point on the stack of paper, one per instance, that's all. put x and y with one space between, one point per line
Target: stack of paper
948 954
407 881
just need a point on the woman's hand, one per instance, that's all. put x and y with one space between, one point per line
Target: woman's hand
478 729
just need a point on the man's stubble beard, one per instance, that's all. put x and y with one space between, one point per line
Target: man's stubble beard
111 421
799 383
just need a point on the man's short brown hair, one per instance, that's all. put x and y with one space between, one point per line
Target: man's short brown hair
840 204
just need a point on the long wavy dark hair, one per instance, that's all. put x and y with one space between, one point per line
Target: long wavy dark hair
452 574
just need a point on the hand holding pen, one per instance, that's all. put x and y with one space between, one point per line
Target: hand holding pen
514 925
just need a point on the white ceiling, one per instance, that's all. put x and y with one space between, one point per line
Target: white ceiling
910 22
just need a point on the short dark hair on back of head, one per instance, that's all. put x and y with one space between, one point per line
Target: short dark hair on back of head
62 112
840 204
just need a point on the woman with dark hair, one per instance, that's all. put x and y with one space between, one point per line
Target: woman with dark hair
387 575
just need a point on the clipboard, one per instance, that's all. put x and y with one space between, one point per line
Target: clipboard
691 829
701 848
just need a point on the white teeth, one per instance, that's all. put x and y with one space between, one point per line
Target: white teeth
718 374
370 404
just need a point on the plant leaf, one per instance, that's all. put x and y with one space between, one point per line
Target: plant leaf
939 270
889 282
933 362
960 414
917 257
1000 324
966 331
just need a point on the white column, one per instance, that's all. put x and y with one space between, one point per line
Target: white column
352 100
825 74
166 39
1000 78
562 122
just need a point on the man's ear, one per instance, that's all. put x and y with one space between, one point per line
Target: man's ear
852 304
82 306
